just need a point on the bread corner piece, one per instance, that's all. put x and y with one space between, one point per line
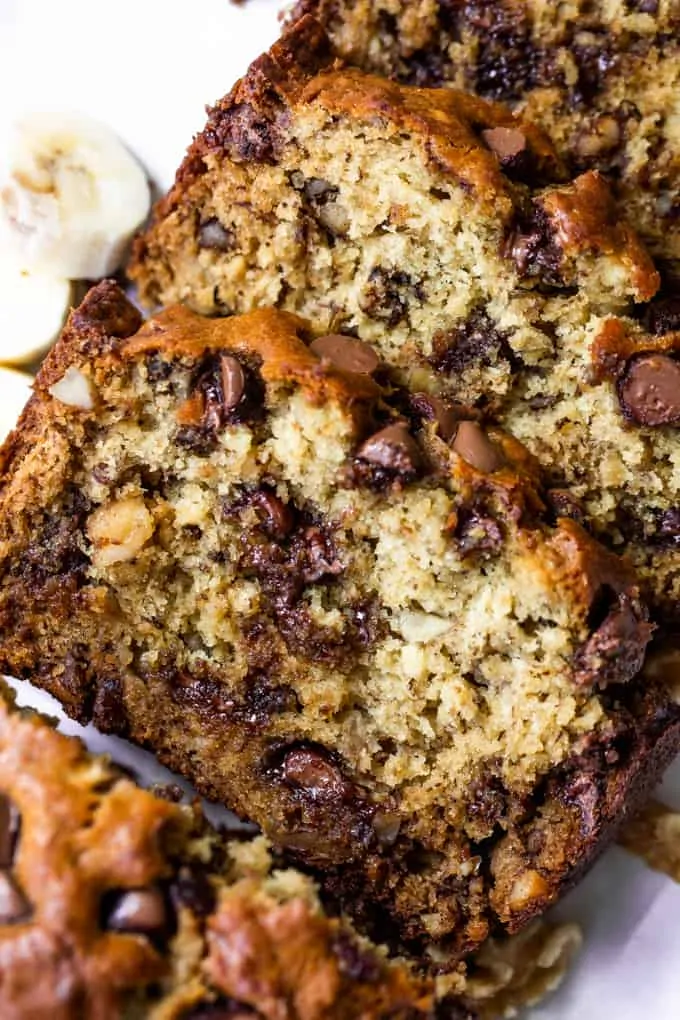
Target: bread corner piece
339 606
116 902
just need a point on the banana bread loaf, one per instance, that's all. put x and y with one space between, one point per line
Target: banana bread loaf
341 606
417 220
602 79
116 904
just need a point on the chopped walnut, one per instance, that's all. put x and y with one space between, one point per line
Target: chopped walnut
119 530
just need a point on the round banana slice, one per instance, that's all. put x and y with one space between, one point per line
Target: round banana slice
14 392
33 308
73 196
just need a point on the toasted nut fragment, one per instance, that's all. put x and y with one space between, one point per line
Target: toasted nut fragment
73 389
528 887
119 530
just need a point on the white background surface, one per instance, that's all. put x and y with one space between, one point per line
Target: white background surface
148 68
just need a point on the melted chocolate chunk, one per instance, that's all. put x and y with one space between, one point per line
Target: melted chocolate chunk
663 316
564 504
263 699
487 805
14 906
109 712
314 772
476 449
192 889
157 368
649 391
9 830
394 449
512 150
507 64
477 532
447 415
615 652
347 353
475 343
584 791
277 517
55 551
388 295
233 382
230 393
139 911
594 55
531 245
211 234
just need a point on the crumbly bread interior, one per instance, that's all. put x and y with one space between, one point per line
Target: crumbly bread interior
602 79
384 650
385 212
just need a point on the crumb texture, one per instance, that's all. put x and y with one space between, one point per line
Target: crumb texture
344 607
602 79
455 239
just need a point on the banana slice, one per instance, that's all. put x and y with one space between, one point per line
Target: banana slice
73 198
14 392
33 307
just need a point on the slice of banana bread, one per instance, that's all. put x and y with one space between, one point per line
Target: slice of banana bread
116 904
414 218
340 606
602 78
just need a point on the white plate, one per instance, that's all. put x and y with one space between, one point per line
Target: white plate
148 68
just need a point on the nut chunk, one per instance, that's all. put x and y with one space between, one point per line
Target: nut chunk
344 608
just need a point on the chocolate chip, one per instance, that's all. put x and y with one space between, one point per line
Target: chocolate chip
507 143
446 415
564 504
663 316
141 911
9 828
474 343
319 556
477 532
193 890
650 390
212 234
279 516
14 906
233 381
347 353
615 652
476 449
393 448
311 770
388 295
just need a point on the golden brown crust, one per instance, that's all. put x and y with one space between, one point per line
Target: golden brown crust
249 126
585 218
274 337
85 832
254 741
